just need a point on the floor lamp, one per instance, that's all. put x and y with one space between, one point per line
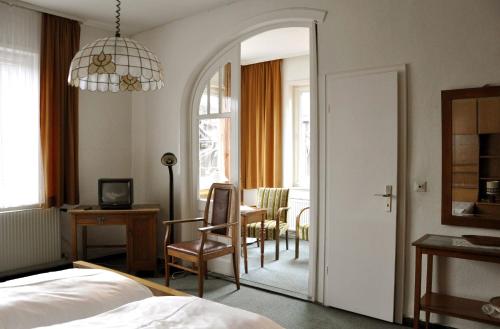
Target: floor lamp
169 159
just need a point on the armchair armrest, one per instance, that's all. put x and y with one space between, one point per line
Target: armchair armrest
181 221
169 223
280 211
297 219
215 227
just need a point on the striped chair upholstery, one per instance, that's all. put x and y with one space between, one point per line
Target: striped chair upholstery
304 232
272 199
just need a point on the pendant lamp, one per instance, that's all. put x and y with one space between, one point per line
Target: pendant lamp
116 64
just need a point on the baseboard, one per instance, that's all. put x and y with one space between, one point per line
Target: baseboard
48 267
36 269
408 322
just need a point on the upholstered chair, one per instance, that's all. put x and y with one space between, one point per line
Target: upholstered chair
219 219
275 200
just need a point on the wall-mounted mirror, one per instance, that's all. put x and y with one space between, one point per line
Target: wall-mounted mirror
471 157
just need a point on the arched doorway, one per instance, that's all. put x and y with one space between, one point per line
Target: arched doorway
215 121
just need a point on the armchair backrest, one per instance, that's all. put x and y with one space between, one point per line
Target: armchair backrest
219 202
272 199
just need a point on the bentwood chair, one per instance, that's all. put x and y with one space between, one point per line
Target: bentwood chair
275 200
224 222
301 231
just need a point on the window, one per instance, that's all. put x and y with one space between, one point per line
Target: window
19 108
302 126
214 131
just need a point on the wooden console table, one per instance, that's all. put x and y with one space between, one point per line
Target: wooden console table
140 222
432 302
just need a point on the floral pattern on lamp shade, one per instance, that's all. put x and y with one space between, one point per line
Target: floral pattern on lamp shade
115 64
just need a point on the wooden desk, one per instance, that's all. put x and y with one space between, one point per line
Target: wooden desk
248 217
140 222
432 302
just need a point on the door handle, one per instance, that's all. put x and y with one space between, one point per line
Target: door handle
383 195
388 196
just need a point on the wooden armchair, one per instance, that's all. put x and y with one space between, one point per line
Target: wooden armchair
275 200
301 231
199 251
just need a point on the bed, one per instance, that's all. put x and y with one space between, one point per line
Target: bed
92 296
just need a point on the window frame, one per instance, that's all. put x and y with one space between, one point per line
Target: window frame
231 57
296 91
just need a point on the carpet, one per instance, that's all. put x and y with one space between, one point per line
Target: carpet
286 274
289 312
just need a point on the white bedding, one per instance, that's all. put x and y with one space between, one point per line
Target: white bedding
56 297
174 313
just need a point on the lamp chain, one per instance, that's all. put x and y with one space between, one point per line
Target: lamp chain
118 3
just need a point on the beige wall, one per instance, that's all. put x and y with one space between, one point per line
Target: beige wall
104 148
446 44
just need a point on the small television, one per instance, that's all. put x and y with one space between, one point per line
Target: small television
116 193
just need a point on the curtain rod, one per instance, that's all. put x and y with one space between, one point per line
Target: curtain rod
24 5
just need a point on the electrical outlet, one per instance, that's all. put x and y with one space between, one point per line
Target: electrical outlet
420 187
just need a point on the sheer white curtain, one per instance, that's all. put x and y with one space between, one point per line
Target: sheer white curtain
20 174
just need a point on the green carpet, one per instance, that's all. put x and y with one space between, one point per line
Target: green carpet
288 312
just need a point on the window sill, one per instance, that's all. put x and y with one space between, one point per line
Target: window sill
21 208
299 188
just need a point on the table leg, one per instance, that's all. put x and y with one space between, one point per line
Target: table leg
245 255
84 242
428 286
129 244
418 283
74 240
262 242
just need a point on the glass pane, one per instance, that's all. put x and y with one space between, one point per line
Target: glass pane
214 93
304 139
214 153
204 102
467 164
226 88
19 127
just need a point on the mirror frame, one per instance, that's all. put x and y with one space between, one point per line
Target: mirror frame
447 217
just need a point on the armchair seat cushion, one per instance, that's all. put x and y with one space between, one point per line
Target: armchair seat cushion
193 247
253 230
303 232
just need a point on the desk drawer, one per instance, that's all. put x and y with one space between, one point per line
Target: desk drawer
102 219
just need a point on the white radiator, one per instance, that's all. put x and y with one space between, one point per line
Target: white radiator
296 205
29 237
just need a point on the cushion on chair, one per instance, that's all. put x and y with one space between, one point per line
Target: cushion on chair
193 247
303 232
253 230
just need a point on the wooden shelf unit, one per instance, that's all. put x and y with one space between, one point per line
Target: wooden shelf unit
471 155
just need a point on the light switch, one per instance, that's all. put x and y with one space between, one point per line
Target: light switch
420 187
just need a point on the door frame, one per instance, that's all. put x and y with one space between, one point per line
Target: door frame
290 17
402 179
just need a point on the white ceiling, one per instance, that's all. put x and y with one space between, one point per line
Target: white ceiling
136 15
274 44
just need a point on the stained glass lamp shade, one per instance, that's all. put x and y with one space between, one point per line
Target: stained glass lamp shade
115 64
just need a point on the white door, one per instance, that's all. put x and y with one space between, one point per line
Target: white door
362 125
215 135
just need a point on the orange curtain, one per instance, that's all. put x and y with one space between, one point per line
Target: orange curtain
226 103
261 125
59 111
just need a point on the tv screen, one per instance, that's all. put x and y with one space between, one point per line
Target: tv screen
116 193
